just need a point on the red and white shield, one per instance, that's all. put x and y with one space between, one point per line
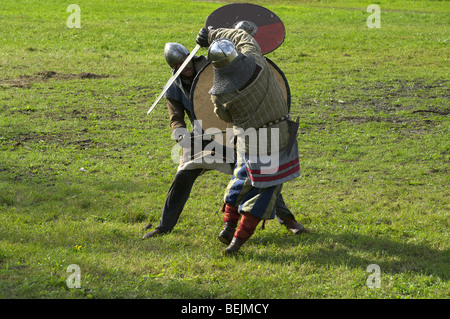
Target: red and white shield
271 32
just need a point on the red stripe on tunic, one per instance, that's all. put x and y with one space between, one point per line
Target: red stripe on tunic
274 177
280 168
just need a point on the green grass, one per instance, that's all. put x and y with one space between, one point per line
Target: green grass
83 168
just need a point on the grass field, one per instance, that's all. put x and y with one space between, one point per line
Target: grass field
83 168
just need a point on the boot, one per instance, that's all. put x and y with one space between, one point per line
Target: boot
153 233
230 218
234 246
226 235
245 230
148 226
294 227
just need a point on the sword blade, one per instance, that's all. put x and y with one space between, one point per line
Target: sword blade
172 79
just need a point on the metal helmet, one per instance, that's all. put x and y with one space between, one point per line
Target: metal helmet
248 26
175 53
221 53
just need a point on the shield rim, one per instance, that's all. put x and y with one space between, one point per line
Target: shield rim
288 89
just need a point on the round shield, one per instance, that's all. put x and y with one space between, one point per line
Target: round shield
202 103
270 29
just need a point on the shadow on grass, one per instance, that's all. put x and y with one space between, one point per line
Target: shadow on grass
355 251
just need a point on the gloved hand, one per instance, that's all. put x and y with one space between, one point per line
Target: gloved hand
202 37
180 138
180 133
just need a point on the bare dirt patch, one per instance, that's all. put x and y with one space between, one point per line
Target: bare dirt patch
25 81
395 95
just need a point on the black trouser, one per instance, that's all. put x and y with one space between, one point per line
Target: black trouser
179 193
177 196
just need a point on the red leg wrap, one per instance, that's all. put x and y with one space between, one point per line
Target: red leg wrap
231 214
247 226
